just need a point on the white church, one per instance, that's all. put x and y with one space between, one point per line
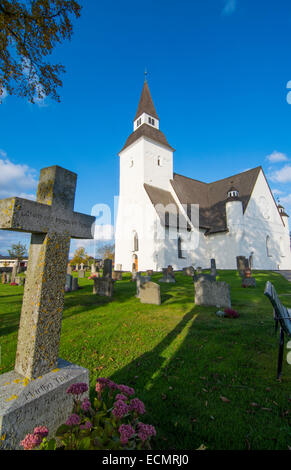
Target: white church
168 219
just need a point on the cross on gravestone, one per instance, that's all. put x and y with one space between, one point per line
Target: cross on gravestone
52 222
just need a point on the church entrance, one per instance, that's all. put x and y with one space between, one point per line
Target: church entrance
135 262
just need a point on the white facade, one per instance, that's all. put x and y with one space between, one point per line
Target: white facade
259 232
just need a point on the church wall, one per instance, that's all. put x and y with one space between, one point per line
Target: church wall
156 174
248 236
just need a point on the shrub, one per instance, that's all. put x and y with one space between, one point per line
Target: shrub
110 422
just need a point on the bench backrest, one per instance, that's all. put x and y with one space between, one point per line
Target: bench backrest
281 312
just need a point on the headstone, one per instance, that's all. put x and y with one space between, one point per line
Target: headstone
168 275
150 293
117 275
34 393
82 273
17 281
150 272
189 271
199 270
213 267
212 293
133 272
140 280
93 268
68 285
107 269
69 269
242 263
3 278
103 286
77 267
75 284
82 266
14 272
248 280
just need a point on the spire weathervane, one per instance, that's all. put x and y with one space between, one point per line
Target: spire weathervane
145 74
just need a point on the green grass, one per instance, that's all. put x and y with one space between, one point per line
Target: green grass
180 358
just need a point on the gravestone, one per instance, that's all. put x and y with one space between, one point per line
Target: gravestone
68 285
82 273
103 286
168 275
140 280
213 267
212 293
189 271
34 394
150 293
3 278
117 275
17 281
82 266
75 284
206 277
14 272
242 263
77 267
93 268
69 269
150 272
107 269
248 280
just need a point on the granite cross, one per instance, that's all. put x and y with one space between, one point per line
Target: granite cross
52 222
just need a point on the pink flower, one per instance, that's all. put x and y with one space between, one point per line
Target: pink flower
145 431
137 405
86 405
126 432
120 396
126 390
105 383
87 425
73 420
120 409
77 389
42 431
31 441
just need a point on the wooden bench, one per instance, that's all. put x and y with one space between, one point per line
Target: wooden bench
282 316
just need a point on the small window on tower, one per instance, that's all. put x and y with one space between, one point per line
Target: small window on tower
151 121
138 122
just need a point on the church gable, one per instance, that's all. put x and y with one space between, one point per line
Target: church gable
262 204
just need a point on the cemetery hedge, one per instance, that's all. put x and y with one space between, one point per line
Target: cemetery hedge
204 380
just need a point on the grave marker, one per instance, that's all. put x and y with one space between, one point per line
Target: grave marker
52 222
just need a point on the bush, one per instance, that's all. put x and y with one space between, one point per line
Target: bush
111 422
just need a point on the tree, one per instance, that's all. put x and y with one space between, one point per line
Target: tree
29 31
107 251
18 251
80 256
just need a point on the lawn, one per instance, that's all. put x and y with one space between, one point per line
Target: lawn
204 380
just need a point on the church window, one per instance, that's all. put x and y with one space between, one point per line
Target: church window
138 123
180 252
135 242
151 121
159 161
268 246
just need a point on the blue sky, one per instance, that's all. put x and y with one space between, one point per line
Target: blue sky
218 72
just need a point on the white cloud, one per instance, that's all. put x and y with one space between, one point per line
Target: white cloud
276 157
281 176
277 192
289 85
286 199
229 7
16 179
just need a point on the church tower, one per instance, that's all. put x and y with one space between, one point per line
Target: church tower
145 159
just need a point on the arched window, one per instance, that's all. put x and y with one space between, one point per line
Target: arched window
180 253
268 246
135 242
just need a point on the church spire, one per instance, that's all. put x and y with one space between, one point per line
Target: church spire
146 104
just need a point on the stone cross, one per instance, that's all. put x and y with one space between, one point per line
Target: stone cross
52 222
